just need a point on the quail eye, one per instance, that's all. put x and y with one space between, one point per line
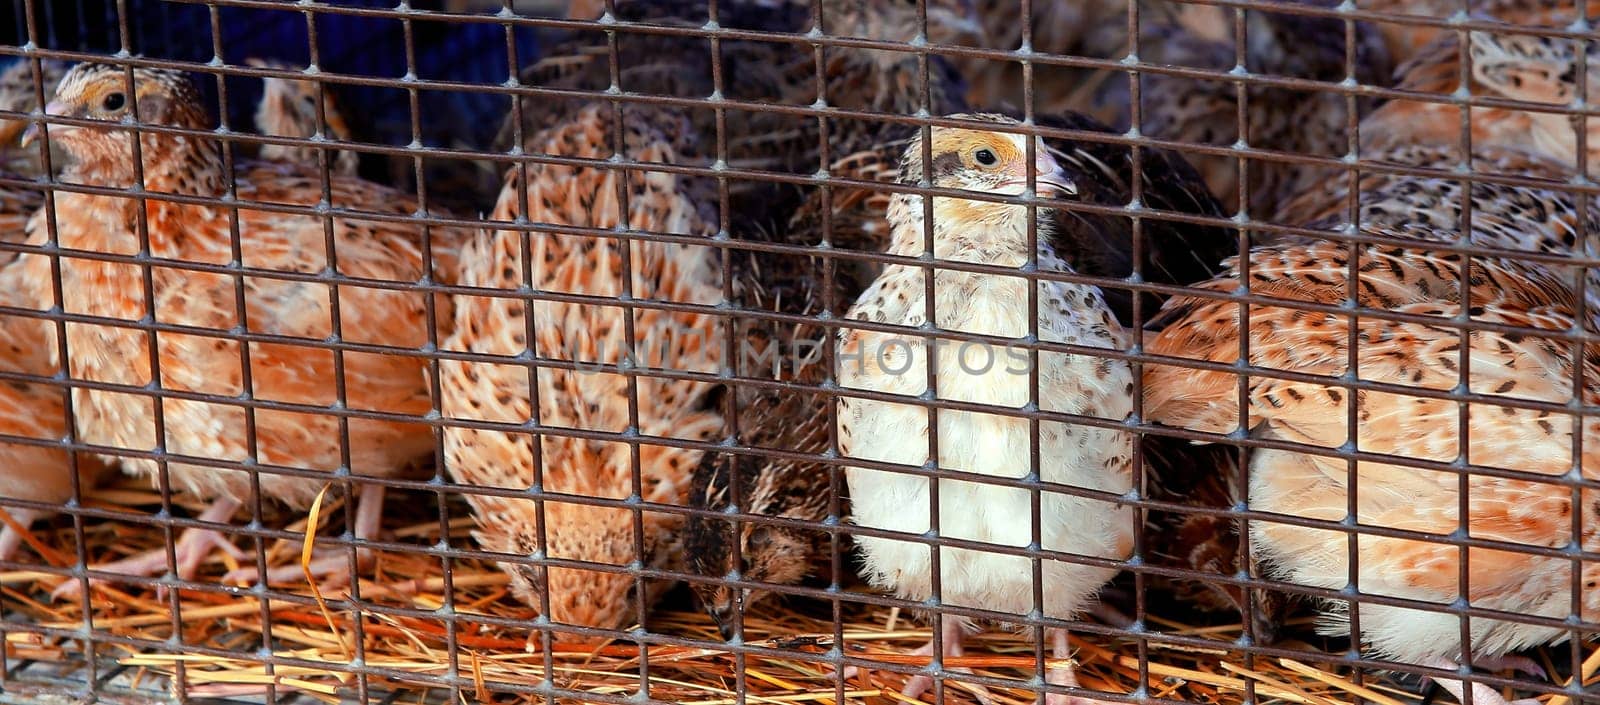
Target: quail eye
113 102
985 157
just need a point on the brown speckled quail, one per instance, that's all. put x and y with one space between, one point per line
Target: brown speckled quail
283 372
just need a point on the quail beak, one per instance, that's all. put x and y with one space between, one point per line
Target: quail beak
30 135
726 617
1048 176
1057 181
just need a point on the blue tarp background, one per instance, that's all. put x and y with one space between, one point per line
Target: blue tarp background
362 46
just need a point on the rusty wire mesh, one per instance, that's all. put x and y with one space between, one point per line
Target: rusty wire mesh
87 653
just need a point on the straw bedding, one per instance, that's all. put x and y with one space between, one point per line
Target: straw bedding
499 654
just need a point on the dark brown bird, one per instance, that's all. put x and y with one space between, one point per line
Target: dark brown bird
796 421
786 421
1173 252
1206 111
1089 28
1203 476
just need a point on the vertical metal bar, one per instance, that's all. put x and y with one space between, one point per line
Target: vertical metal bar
246 372
830 333
1463 458
1136 256
1581 324
1352 277
731 326
153 349
63 375
930 316
624 173
1030 270
1246 330
1352 362
532 357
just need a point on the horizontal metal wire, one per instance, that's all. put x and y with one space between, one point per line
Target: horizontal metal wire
447 551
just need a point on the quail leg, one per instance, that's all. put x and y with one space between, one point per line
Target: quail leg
951 634
1111 615
331 568
1481 694
1061 650
193 546
11 539
1519 664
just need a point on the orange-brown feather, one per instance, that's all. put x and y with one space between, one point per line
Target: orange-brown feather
384 251
1424 283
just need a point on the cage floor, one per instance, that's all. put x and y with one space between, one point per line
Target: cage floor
421 643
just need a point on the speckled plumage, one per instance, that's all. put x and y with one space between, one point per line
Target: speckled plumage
1514 218
31 409
1524 365
984 444
278 371
787 421
1517 218
1206 111
1505 65
1089 28
1502 216
593 397
1405 41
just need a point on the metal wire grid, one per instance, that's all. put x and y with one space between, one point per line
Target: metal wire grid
90 682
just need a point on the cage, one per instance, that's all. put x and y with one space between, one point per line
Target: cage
916 370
